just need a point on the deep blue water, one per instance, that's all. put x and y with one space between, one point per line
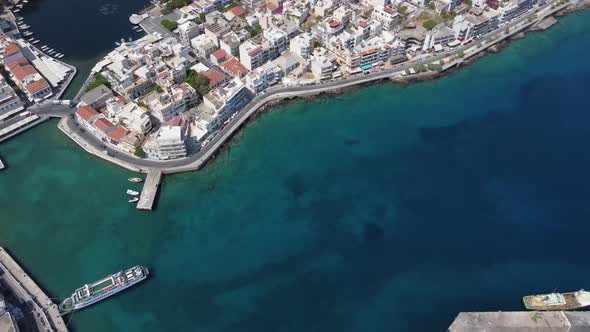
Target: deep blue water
388 209
83 30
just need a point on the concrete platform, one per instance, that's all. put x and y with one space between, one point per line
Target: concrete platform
45 311
150 190
532 321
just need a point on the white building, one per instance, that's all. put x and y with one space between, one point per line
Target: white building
10 103
302 45
167 143
187 31
323 64
387 16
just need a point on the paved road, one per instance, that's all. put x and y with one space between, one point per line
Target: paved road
199 158
10 121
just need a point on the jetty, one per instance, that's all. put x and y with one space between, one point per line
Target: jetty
533 321
44 311
150 190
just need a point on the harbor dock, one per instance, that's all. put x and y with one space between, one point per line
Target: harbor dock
45 312
533 321
150 190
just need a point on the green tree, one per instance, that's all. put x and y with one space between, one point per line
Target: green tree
168 24
230 6
98 80
171 5
139 152
198 82
255 31
402 9
461 54
429 24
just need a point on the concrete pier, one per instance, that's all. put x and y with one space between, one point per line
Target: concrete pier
150 190
46 312
533 321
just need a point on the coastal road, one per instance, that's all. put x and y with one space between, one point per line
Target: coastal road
195 161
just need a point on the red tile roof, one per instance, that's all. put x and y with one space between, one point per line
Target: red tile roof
22 72
238 11
117 133
271 6
334 23
235 67
363 24
103 124
86 112
389 10
370 51
214 76
175 121
37 86
19 61
11 49
219 54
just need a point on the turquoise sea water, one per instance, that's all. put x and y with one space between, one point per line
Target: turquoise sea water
389 209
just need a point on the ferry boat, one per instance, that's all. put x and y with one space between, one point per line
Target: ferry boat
132 192
558 301
135 180
92 293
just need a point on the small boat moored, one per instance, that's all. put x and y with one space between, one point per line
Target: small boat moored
132 192
558 301
133 200
135 180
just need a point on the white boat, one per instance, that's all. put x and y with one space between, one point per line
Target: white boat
44 47
31 39
59 56
17 10
132 192
133 200
35 41
135 180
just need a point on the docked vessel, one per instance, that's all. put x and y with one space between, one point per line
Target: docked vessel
558 301
135 180
132 192
92 293
133 200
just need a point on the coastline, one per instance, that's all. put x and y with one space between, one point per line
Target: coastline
493 42
417 78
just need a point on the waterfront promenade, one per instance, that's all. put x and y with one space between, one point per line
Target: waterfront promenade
45 312
533 321
451 59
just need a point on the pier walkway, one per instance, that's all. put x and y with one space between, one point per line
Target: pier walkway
46 312
533 321
150 190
